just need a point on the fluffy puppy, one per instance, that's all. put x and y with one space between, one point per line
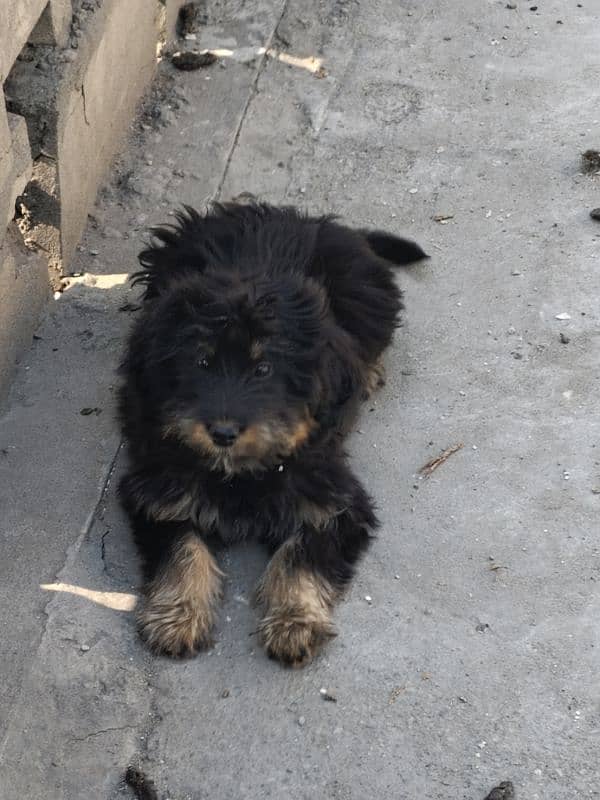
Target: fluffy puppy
261 331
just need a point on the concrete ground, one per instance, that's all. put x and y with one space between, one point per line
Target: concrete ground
476 659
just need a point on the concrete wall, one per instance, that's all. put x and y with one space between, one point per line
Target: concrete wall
73 72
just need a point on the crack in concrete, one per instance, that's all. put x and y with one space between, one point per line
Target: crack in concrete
87 122
100 732
251 95
87 527
103 550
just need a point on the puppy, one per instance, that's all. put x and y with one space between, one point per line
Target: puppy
261 331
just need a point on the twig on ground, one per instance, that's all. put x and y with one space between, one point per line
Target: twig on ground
436 462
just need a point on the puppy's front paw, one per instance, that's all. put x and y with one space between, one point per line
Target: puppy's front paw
175 628
178 611
292 638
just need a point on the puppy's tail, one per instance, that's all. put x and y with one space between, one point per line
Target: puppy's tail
393 248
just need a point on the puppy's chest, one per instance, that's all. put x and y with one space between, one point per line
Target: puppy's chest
244 508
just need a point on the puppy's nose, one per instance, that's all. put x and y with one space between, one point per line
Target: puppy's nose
224 434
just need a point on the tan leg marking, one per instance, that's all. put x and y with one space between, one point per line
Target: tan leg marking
297 606
179 608
375 378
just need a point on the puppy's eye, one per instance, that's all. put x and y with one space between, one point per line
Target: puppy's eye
263 370
203 362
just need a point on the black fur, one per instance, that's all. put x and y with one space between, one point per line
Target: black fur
267 322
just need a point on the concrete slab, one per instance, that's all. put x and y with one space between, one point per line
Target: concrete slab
54 23
24 291
18 19
475 660
97 105
15 169
78 107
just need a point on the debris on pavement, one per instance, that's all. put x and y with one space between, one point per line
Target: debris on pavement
225 693
327 696
590 161
504 791
189 20
143 787
443 218
436 462
86 412
395 694
563 316
187 60
595 213
564 338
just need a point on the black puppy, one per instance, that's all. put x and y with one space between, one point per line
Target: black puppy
262 330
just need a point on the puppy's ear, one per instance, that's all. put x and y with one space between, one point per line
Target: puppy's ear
393 248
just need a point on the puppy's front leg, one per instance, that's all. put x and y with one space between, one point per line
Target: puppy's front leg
180 600
183 581
297 603
307 576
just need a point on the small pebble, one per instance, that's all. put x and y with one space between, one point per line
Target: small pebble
94 252
515 272
301 721
564 338
330 698
225 693
84 648
563 316
368 598
112 233
595 213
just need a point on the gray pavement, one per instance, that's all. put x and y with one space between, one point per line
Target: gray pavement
476 659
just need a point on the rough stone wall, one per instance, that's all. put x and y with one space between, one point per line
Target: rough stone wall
73 72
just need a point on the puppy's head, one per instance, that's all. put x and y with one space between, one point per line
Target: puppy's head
234 365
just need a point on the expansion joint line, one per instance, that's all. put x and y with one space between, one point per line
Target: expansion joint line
251 95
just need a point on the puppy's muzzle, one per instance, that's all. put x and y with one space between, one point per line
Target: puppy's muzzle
224 433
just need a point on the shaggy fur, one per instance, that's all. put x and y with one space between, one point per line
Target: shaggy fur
262 329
